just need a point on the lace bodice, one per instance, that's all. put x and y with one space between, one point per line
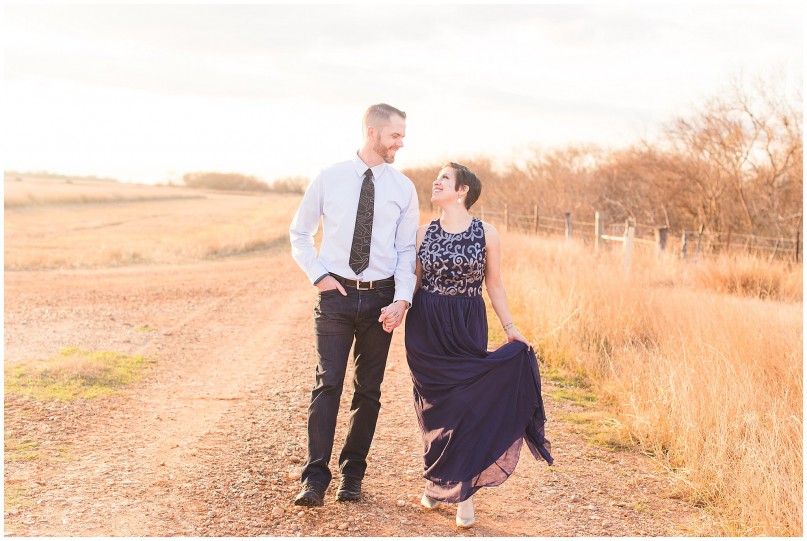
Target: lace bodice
453 263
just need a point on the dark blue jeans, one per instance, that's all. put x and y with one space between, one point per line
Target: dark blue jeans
338 322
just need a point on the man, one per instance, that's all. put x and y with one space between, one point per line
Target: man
365 276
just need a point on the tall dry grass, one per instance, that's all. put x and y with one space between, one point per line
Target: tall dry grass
706 374
750 275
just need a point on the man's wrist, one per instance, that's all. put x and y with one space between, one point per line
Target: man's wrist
318 280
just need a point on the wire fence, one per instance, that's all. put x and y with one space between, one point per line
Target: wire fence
684 243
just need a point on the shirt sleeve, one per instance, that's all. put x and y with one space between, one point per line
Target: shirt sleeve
405 244
303 227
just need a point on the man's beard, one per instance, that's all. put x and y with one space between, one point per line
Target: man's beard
384 152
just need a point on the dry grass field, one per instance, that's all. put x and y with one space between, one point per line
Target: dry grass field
701 364
699 367
89 224
24 190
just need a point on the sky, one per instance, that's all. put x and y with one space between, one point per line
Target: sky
148 92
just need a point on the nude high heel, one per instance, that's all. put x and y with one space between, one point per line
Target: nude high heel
429 503
465 513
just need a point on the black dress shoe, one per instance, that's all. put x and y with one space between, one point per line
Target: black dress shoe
349 489
311 496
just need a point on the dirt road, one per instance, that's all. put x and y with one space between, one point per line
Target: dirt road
209 442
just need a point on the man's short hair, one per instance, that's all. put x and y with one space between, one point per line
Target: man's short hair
379 112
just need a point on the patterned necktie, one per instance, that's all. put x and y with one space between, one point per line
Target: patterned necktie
360 249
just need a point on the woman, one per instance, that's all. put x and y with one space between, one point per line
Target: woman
474 407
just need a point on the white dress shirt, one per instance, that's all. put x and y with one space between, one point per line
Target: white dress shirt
333 195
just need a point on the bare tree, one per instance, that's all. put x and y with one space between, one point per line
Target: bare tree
563 180
737 157
778 169
734 162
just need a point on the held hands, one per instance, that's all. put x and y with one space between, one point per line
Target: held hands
392 315
328 283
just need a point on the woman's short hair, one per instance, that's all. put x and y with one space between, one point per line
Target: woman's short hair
466 177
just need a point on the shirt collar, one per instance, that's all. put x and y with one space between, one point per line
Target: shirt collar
361 167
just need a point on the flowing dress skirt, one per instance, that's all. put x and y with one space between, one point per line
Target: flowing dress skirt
474 407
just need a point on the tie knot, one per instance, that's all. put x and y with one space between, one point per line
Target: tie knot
368 174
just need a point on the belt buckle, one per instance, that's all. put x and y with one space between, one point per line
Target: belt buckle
358 286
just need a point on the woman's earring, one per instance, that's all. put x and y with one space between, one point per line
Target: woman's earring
459 200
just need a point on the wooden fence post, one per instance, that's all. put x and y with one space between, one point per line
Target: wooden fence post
661 240
506 219
628 246
698 246
684 244
568 226
597 231
535 219
728 241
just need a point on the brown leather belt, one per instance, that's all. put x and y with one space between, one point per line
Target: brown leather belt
372 284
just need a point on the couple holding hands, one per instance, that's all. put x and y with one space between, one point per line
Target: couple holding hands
474 407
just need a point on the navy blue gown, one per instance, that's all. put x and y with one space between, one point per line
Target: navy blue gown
474 407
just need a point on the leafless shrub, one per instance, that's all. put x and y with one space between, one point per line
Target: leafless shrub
289 185
225 181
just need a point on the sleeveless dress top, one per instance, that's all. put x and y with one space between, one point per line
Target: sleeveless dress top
454 263
474 407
